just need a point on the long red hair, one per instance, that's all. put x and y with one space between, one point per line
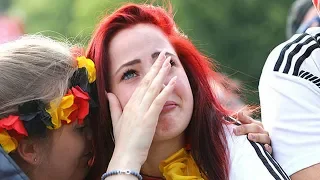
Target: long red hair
211 153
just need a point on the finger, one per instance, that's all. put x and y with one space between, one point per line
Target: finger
156 85
157 105
115 108
140 91
248 128
260 138
244 119
268 148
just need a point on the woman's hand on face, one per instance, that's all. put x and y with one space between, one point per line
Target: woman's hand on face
134 126
255 131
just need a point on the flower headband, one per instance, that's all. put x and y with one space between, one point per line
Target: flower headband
34 117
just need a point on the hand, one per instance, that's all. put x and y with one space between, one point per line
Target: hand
254 129
134 126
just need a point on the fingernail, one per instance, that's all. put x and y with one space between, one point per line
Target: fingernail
268 148
167 63
173 81
162 55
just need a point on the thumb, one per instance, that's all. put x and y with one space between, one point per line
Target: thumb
115 108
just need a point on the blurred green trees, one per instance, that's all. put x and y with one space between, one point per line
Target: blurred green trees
238 34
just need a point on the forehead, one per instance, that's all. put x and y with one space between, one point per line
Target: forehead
138 42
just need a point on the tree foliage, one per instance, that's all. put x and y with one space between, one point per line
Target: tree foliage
238 34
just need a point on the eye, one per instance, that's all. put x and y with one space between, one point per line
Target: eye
172 62
129 74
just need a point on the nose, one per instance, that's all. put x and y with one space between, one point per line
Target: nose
169 76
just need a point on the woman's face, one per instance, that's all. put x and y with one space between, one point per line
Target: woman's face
69 153
132 53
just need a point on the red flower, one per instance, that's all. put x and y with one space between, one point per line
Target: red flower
13 123
81 102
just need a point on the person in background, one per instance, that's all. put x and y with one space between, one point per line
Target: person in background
10 29
301 16
289 91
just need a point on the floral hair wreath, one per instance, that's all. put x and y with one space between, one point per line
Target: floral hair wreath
35 117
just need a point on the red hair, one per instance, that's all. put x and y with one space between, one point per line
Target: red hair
211 153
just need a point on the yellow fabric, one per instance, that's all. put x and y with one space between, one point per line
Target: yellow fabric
62 112
180 166
7 142
89 65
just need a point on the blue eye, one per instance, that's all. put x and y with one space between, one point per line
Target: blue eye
129 74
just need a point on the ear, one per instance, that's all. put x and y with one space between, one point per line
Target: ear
29 151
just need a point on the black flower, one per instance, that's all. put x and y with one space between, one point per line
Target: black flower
35 117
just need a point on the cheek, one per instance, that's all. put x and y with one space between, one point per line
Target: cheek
184 91
69 147
124 93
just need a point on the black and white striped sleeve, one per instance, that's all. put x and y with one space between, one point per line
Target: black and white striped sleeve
289 91
250 161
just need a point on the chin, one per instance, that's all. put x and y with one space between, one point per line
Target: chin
166 134
170 126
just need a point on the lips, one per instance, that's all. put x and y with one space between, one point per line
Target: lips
168 106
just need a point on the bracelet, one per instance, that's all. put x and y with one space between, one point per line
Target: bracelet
118 172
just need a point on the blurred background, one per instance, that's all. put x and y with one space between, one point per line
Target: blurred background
238 34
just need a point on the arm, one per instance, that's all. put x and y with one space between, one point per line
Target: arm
311 173
290 106
249 160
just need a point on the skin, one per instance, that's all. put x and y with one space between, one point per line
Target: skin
130 65
147 42
64 155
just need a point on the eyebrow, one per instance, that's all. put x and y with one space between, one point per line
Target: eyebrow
137 61
130 63
156 54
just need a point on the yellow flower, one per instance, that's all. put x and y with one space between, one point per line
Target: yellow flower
180 166
61 112
7 142
89 65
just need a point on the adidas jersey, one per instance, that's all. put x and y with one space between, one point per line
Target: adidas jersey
250 160
289 91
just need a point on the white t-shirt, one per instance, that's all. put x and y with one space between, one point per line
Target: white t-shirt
289 91
250 161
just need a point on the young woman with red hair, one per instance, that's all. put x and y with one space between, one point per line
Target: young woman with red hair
153 75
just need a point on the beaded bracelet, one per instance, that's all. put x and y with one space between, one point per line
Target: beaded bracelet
118 172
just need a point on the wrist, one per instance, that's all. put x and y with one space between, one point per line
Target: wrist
121 174
124 161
